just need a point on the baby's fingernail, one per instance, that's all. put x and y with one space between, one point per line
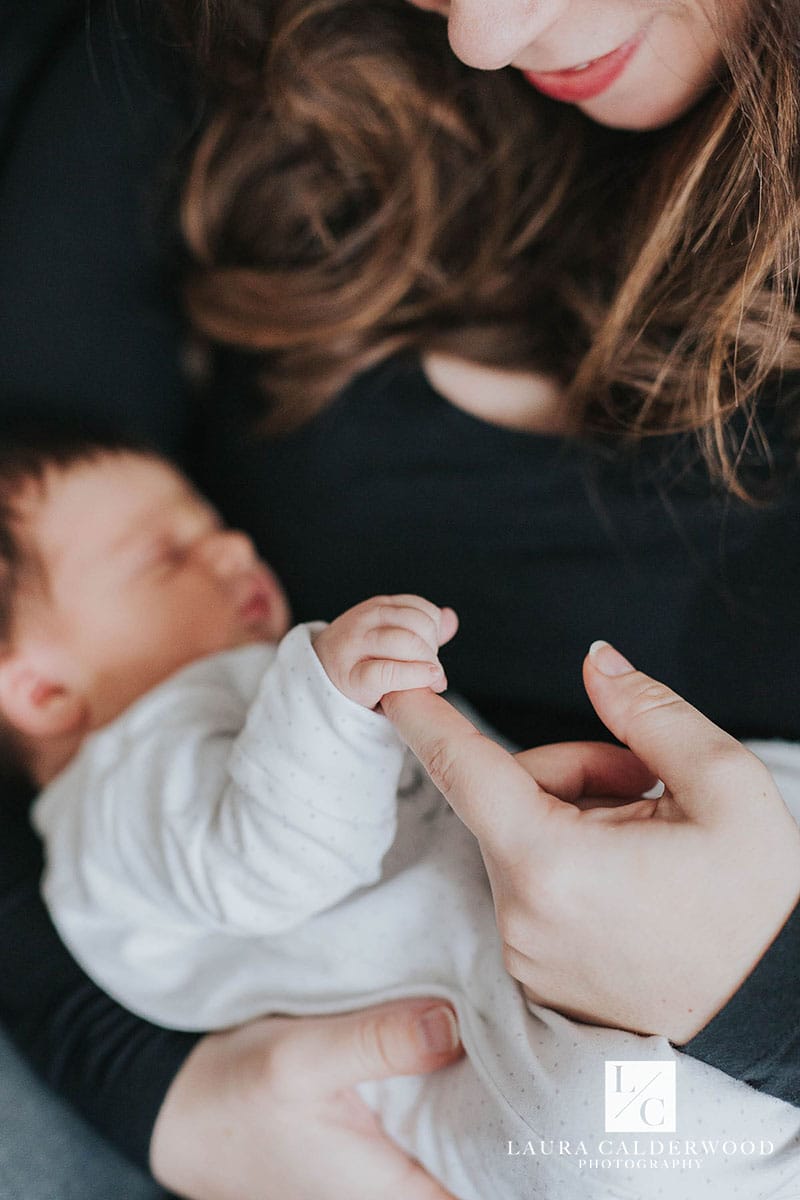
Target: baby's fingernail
438 1030
439 681
608 660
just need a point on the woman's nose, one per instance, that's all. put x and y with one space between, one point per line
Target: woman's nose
488 34
228 552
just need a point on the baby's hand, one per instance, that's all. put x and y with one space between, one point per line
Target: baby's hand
386 644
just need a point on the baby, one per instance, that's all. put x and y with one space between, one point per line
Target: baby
233 828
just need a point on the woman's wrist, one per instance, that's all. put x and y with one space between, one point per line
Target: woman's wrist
773 915
756 1035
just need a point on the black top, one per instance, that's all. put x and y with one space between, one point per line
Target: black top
540 545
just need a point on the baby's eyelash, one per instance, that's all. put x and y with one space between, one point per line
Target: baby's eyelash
176 554
163 556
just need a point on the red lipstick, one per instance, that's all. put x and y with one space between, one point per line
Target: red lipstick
587 80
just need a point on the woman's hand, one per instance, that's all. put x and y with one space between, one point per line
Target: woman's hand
647 914
268 1111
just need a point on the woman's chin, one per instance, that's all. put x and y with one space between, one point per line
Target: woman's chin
642 116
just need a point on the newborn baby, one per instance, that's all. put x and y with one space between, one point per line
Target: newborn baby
233 828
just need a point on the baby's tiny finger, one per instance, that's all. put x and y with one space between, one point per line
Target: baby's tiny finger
374 677
408 600
444 620
394 641
399 616
448 625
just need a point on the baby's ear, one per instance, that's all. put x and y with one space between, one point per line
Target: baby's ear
36 700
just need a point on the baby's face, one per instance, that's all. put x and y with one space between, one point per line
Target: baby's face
138 578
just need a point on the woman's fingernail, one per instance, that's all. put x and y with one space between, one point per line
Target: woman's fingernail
438 1030
608 660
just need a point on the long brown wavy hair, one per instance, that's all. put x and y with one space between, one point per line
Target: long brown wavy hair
358 191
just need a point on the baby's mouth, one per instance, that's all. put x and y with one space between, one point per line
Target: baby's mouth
256 601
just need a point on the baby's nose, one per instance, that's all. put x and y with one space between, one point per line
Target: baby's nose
228 551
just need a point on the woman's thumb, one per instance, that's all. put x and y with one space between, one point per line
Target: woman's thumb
693 756
409 1037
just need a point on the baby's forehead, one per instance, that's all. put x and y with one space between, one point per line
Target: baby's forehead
126 480
99 500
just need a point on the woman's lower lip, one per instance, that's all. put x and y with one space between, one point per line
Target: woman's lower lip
574 86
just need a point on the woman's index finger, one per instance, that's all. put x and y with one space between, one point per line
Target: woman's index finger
489 790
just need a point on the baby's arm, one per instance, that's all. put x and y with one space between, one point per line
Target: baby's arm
181 815
325 775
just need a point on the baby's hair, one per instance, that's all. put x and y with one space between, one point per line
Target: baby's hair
27 454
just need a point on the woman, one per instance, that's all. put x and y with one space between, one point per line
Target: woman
629 248
533 290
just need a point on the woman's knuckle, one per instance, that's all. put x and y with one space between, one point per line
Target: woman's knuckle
754 768
652 694
730 767
441 765
374 1047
